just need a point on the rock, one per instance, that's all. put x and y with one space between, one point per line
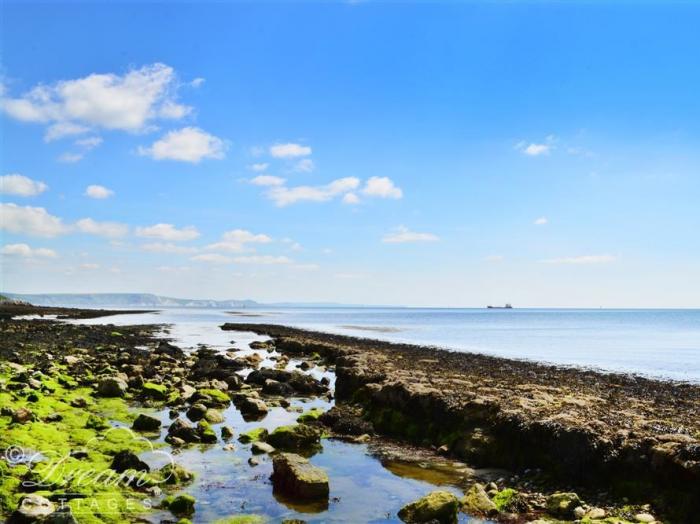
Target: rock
253 435
562 504
127 460
644 517
96 422
252 461
346 420
206 433
296 437
182 430
176 474
180 505
196 411
79 402
22 416
295 476
579 512
477 502
438 506
273 387
32 508
262 447
596 513
226 432
146 423
154 391
213 416
252 406
112 387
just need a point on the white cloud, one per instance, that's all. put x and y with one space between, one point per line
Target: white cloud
128 102
88 143
168 232
585 259
89 266
540 221
494 258
267 180
402 235
25 251
236 241
70 158
189 144
99 192
63 129
351 198
305 165
289 150
283 196
259 167
536 149
33 221
243 236
212 258
381 187
262 260
197 82
16 184
167 247
102 229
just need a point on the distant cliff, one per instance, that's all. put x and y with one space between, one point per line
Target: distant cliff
131 300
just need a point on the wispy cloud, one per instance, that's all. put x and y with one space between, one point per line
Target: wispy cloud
541 221
25 251
284 196
168 232
404 235
103 229
584 259
168 247
289 150
535 148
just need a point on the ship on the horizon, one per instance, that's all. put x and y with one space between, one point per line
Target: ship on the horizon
507 306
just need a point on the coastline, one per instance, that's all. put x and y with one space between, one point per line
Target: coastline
622 433
514 437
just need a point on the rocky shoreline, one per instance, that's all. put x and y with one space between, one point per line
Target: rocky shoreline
521 441
627 437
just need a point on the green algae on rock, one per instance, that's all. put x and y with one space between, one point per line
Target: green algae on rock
438 506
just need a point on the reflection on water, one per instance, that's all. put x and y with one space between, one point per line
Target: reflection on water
362 489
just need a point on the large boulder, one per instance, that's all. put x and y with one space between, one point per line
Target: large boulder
146 423
295 476
438 506
112 387
562 504
181 429
295 437
32 508
477 502
125 460
252 406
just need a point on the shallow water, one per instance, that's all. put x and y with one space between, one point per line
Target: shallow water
362 488
657 343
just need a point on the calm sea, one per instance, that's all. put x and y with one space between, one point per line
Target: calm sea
659 343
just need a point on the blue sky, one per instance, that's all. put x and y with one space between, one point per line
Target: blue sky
451 154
